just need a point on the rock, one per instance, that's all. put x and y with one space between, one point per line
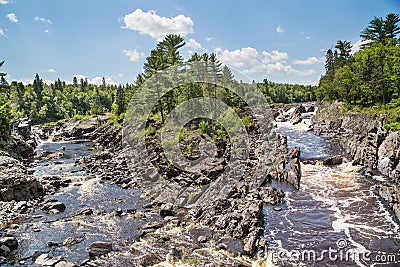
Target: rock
84 212
202 239
118 212
65 264
295 117
167 210
335 160
271 195
389 156
10 242
99 248
153 226
46 260
53 206
4 250
15 184
294 172
251 242
277 208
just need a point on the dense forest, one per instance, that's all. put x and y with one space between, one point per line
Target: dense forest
73 100
369 77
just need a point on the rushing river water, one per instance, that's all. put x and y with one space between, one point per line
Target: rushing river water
335 219
43 230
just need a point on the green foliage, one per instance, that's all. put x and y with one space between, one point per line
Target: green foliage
394 126
5 117
181 136
204 127
247 121
287 93
371 76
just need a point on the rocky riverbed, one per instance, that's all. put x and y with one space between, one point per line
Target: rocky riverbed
78 203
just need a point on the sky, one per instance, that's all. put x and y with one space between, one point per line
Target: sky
282 41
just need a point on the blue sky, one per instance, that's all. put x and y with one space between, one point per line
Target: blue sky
283 41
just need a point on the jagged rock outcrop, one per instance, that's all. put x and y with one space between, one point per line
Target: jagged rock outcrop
294 172
279 170
15 183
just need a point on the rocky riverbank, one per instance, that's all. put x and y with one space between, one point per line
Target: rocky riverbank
367 143
228 231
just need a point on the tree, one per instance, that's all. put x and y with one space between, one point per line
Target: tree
5 109
375 31
170 46
75 82
2 74
119 103
344 48
330 61
38 88
382 31
390 26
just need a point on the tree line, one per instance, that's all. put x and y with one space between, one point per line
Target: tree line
370 76
43 102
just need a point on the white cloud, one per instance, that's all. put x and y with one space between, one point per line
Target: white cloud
4 2
279 29
357 46
12 17
51 70
250 61
133 55
209 39
192 43
157 27
97 80
2 34
46 31
275 56
42 20
308 37
308 61
120 75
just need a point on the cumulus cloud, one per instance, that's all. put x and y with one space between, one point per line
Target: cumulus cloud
192 43
44 20
279 29
12 17
51 70
209 39
133 55
308 61
46 31
97 80
156 26
4 2
250 61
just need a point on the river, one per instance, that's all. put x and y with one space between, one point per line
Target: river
335 219
68 235
336 210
